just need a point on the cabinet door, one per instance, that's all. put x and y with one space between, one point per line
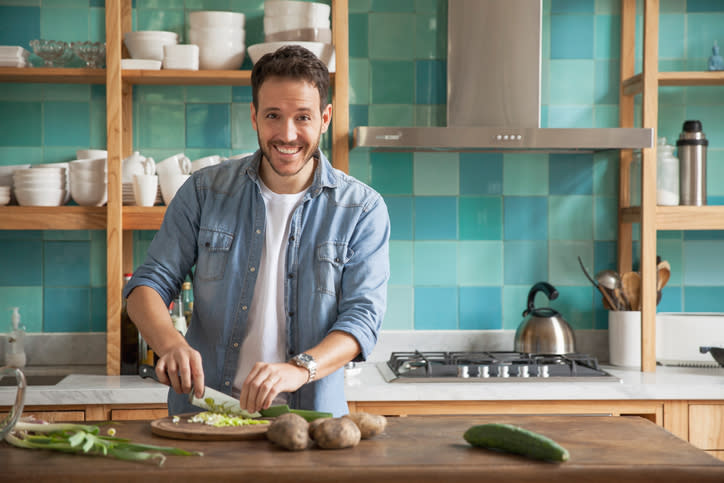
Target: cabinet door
138 414
706 426
53 416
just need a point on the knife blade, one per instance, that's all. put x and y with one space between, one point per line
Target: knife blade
212 400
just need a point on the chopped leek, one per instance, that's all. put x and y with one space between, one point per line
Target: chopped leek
219 420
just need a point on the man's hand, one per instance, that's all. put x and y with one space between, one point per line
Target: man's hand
266 380
179 368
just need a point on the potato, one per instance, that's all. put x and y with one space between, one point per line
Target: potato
313 425
336 433
370 425
289 431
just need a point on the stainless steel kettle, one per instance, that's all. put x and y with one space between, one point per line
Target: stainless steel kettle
544 330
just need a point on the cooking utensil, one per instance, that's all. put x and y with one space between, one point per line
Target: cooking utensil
544 330
621 298
609 280
607 298
663 273
8 422
716 352
631 283
212 400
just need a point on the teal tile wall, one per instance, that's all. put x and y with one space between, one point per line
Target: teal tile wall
470 233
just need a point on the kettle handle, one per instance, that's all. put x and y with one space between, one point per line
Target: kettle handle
544 287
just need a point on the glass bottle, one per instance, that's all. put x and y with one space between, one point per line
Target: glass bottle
187 301
130 340
635 179
667 174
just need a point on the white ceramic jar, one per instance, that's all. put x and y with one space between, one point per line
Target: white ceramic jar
667 174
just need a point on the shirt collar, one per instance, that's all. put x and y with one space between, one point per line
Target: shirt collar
324 175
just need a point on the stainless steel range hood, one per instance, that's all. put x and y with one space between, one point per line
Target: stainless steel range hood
493 91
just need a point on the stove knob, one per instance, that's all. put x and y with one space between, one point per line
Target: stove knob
483 371
464 371
543 371
523 371
503 370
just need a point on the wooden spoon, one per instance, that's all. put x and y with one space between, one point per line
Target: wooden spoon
631 283
663 273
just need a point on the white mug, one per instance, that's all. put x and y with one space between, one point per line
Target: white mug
145 188
170 185
203 162
176 164
136 164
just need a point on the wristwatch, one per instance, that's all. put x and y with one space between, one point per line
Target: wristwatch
306 361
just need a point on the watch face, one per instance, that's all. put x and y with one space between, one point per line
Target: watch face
304 358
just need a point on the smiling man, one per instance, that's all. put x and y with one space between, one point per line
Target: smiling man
291 260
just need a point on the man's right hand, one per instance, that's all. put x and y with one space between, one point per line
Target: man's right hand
180 367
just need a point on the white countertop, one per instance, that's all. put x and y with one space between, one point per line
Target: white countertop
369 385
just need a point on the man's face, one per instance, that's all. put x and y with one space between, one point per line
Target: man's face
289 124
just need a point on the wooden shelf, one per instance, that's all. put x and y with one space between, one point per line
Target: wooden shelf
634 85
143 218
52 75
189 77
680 217
52 218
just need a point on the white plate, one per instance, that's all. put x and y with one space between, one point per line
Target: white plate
144 64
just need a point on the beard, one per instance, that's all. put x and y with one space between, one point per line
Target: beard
266 151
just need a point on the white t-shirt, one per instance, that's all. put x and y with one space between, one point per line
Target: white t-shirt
266 332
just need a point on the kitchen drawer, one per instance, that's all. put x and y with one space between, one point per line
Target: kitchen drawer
53 416
138 414
706 426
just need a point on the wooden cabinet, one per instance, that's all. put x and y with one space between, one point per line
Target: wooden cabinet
119 221
706 428
650 216
51 415
94 412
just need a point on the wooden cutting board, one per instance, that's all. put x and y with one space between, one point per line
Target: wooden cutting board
183 429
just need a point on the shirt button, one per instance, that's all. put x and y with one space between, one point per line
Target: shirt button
290 352
227 383
236 344
291 275
291 238
243 307
252 269
291 314
258 231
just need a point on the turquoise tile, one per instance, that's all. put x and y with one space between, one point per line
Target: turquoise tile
66 92
159 4
208 94
563 262
436 173
61 154
670 44
481 217
605 215
606 82
22 262
574 304
572 6
481 173
66 263
431 35
606 116
701 31
20 92
430 82
525 174
571 82
605 173
359 80
20 123
612 7
358 38
29 301
570 116
673 252
97 27
514 303
207 126
98 125
430 115
400 212
670 121
711 120
436 308
20 155
21 235
19 25
396 6
160 126
360 6
570 217
702 263
704 6
66 235
168 20
525 218
607 39
480 263
65 3
672 6
400 309
391 173
243 135
401 262
69 24
391 36
58 131
66 309
572 36
571 174
98 309
703 299
392 115
241 94
715 173
98 275
392 82
435 218
159 94
221 5
671 299
526 262
358 116
481 308
435 263
360 165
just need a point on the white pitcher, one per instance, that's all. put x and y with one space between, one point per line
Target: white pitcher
136 164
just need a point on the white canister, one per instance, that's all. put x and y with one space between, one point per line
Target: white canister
667 174
624 337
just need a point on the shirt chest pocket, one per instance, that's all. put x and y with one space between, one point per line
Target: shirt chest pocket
214 247
331 257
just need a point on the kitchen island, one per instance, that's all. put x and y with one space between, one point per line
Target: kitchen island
416 448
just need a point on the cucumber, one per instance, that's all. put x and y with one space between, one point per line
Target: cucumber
309 415
515 439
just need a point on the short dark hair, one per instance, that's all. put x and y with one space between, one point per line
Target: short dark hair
293 62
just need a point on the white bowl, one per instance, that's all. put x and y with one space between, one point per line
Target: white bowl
152 34
142 45
323 35
181 56
140 64
40 197
40 173
91 153
228 56
88 193
170 185
206 36
87 176
210 18
4 200
9 169
97 164
325 52
291 22
57 184
286 7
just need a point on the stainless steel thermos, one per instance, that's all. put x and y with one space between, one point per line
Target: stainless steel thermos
691 146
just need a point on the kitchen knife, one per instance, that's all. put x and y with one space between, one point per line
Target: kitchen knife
212 400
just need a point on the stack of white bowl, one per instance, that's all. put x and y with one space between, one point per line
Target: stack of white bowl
5 192
14 56
41 186
89 181
220 37
148 44
288 22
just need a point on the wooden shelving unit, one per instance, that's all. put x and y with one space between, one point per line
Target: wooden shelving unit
119 221
650 216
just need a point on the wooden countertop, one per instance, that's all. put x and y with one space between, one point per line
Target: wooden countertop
419 449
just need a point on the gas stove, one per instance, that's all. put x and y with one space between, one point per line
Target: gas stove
493 366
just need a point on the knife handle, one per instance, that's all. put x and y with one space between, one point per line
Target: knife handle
144 370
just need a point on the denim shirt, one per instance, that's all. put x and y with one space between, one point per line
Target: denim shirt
337 266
